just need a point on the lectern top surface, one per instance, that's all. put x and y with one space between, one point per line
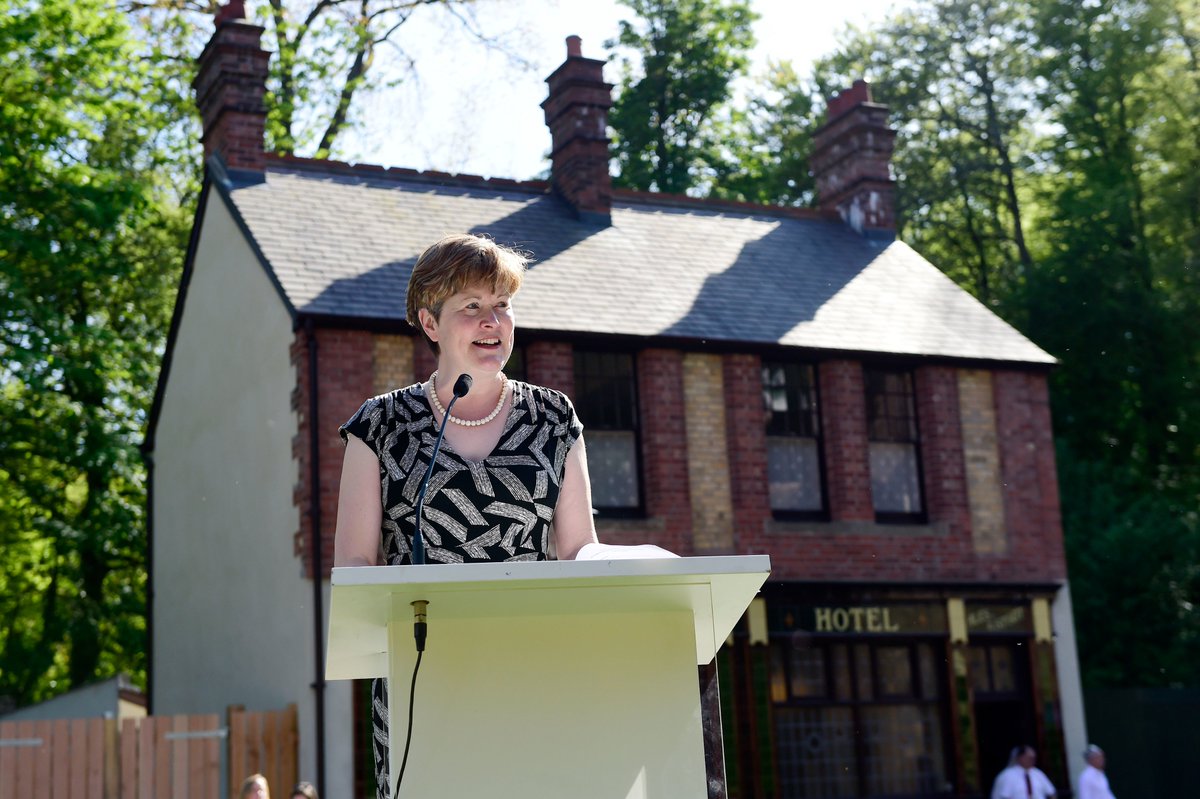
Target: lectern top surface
715 591
668 569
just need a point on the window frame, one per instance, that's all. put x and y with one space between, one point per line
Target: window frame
637 511
792 514
858 705
920 516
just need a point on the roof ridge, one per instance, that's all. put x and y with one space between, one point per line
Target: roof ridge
328 165
718 203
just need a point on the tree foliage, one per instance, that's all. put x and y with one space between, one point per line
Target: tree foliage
680 58
91 241
765 147
955 76
99 175
325 56
1047 160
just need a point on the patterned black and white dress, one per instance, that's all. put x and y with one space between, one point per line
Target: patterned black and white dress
496 509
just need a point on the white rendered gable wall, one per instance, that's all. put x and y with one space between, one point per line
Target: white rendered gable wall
232 610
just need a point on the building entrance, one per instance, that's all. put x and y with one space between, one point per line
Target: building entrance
1003 704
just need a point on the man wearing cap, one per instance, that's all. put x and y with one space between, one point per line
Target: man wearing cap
1093 783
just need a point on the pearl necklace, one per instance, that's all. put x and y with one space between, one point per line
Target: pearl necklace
467 422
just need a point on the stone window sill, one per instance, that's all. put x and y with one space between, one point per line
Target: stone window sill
825 529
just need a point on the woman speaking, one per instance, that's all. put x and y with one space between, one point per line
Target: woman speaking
511 479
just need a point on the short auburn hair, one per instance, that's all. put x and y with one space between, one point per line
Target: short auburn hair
454 264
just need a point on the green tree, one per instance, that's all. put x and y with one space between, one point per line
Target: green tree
91 242
1048 161
324 55
681 56
1117 298
766 147
955 76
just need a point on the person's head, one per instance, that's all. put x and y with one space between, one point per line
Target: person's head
255 787
304 790
1094 756
1026 756
453 265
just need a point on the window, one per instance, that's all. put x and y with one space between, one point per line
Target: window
856 719
606 401
793 440
894 446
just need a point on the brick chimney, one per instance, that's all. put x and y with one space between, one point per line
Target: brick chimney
851 159
231 80
577 115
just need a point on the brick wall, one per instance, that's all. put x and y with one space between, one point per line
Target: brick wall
708 460
945 487
664 453
1029 476
551 364
981 454
393 362
844 427
986 449
852 547
746 443
345 379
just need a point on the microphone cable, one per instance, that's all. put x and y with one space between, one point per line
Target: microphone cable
420 629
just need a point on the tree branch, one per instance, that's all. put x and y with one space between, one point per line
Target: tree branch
362 62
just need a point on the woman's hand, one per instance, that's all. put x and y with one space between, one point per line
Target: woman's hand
360 508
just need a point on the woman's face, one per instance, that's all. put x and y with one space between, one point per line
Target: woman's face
474 332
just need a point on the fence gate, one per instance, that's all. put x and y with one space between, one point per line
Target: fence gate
147 758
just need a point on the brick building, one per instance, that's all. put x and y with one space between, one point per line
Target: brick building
752 379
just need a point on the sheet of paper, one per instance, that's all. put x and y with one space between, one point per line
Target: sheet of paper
597 551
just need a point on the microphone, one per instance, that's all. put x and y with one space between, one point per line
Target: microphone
461 386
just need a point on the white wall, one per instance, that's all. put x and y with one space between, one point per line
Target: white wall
1070 688
232 610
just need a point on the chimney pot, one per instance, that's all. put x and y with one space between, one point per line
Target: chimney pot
843 101
234 9
574 47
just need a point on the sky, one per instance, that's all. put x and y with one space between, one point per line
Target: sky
474 110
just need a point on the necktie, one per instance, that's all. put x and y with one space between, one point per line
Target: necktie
1028 785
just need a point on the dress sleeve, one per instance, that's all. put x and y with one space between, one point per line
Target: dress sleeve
574 426
366 424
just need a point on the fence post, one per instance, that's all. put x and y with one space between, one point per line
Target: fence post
289 757
236 747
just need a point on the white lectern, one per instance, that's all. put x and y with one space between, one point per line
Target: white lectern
555 679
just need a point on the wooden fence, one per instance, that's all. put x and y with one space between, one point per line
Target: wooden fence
147 758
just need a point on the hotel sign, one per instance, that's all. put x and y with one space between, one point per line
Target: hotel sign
868 619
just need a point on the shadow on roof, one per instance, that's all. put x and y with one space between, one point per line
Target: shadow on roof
776 282
544 227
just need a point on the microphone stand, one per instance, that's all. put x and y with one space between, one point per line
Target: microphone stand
461 387
420 626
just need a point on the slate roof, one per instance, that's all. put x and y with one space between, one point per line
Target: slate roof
342 240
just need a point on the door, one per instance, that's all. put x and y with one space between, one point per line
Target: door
1004 711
